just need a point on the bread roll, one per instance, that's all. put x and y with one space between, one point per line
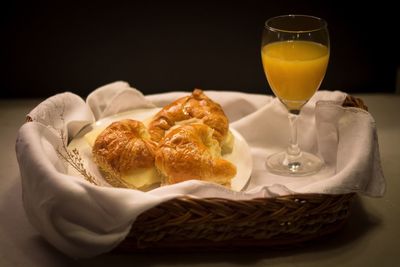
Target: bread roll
196 107
125 148
191 152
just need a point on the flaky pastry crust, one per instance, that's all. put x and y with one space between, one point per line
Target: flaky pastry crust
123 146
190 152
195 106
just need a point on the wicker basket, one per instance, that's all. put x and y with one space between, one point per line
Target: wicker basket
215 223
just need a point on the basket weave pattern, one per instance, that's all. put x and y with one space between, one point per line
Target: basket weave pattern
215 222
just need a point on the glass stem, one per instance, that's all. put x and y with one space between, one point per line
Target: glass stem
293 150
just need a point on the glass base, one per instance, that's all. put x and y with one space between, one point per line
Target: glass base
302 165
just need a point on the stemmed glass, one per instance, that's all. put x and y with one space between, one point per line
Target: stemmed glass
295 54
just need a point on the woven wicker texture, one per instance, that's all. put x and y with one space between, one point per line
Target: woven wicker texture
214 222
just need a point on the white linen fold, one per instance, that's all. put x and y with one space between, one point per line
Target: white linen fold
84 220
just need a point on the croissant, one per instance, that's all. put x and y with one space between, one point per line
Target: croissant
191 152
196 107
123 147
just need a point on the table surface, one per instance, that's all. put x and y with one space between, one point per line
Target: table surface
370 238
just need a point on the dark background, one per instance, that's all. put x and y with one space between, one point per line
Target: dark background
157 46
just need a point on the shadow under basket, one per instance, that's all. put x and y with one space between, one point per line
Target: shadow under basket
215 223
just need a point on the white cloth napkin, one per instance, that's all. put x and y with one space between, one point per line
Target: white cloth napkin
84 220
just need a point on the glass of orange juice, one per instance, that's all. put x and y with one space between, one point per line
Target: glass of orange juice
295 54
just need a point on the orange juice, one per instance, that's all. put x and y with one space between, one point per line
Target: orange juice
294 70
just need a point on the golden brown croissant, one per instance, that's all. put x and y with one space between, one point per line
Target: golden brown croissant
190 152
123 147
196 106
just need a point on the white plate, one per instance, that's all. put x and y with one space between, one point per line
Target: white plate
240 155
